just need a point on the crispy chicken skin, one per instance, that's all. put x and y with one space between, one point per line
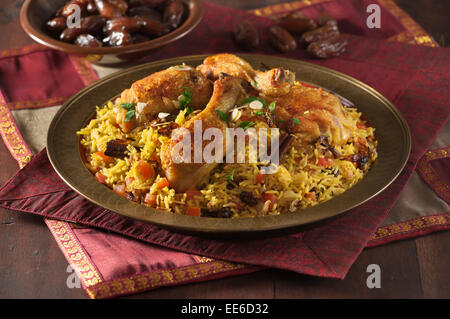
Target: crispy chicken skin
160 92
183 176
274 82
230 64
319 113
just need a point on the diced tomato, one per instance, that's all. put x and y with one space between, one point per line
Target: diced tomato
311 196
271 197
105 158
145 169
361 126
190 194
324 162
155 158
260 177
100 177
150 199
193 211
120 189
163 182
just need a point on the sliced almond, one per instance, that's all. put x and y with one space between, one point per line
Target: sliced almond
163 115
236 115
140 107
181 67
256 105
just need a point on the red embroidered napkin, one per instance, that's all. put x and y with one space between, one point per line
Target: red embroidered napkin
325 251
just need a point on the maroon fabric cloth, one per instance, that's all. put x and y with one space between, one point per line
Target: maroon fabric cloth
413 78
33 78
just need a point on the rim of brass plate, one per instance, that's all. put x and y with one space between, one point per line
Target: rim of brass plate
394 146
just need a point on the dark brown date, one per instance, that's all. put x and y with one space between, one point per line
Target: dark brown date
118 38
88 41
147 3
66 10
281 39
329 30
91 8
327 48
297 26
324 18
246 36
153 28
123 24
145 12
122 5
138 38
91 25
295 15
56 25
173 13
107 9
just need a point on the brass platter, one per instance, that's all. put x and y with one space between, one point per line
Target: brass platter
394 145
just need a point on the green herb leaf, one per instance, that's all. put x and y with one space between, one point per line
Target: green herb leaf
128 106
251 99
231 176
129 116
255 84
259 113
188 110
272 106
187 98
295 120
246 124
223 116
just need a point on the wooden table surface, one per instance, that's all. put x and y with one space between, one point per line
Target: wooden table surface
32 266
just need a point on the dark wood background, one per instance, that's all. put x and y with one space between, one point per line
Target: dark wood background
32 266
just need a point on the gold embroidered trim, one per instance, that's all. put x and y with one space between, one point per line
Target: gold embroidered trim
12 137
84 69
74 253
412 225
146 281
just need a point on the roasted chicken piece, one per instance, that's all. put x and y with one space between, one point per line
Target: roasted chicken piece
308 113
274 82
317 112
160 92
182 175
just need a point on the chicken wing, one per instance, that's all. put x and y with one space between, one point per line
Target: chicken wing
183 176
312 112
160 92
274 82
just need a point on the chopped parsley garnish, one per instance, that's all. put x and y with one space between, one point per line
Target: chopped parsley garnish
295 120
272 106
130 112
246 124
128 106
229 177
259 113
129 116
223 116
251 99
255 84
186 100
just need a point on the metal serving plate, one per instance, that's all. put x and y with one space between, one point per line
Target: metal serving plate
394 145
